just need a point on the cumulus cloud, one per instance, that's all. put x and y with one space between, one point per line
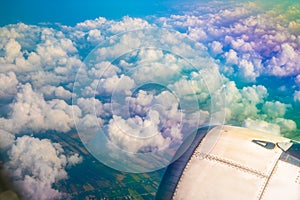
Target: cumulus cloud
42 49
198 34
12 50
231 57
250 30
74 159
145 109
115 84
257 43
90 121
38 67
129 24
275 109
90 106
286 125
262 126
155 121
255 94
247 71
94 36
30 112
119 129
91 24
297 96
8 85
52 92
216 47
141 104
36 164
286 62
243 103
6 140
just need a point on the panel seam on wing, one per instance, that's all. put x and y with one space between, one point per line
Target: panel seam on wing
232 164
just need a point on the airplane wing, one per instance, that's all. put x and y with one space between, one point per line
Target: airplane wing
235 163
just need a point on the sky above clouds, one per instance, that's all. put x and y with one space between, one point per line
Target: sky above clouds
35 11
247 52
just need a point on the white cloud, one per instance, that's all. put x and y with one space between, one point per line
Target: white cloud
6 139
239 12
135 134
197 34
190 89
141 104
261 125
216 47
115 84
31 112
12 50
35 49
149 55
126 42
157 72
54 51
297 96
52 92
286 125
90 122
242 103
94 36
8 85
275 109
103 70
248 29
35 165
286 63
129 24
74 159
91 24
155 122
247 71
255 94
90 106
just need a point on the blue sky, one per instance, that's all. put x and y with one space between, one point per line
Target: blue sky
70 12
